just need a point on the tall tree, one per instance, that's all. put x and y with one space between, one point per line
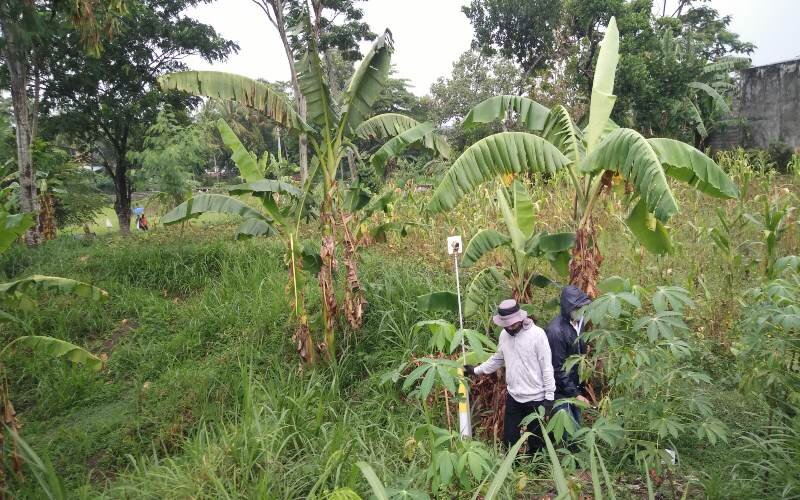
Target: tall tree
107 104
343 35
522 31
23 25
559 41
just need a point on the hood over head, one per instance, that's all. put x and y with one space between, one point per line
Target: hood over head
572 298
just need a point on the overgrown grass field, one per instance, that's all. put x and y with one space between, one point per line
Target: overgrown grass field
203 396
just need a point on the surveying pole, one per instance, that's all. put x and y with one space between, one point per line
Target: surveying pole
454 248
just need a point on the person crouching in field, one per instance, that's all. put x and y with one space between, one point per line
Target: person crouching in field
525 353
564 336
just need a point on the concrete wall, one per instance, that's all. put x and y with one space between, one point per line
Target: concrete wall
769 105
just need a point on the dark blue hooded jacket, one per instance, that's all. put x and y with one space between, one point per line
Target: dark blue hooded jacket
564 342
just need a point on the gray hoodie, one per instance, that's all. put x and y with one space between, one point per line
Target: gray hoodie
529 368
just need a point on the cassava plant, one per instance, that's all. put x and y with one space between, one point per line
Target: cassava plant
550 141
330 125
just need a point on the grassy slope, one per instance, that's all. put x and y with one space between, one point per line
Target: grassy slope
202 395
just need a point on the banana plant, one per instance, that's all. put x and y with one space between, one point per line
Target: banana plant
18 295
283 207
523 246
330 127
551 141
357 213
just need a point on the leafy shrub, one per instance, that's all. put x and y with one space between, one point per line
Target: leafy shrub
780 154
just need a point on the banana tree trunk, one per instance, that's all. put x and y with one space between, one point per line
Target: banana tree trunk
301 338
47 217
10 422
584 267
354 293
328 256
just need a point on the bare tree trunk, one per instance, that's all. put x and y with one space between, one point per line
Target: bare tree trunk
18 69
122 202
122 191
276 18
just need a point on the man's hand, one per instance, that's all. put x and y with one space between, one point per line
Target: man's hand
469 370
548 408
583 399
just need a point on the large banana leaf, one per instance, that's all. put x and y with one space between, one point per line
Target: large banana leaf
603 97
200 204
56 348
367 83
385 125
719 102
695 116
560 130
254 227
482 243
488 287
650 232
248 168
492 157
241 89
267 186
726 64
523 209
627 152
556 242
398 144
39 283
12 227
438 302
530 114
320 108
389 125
688 164
517 237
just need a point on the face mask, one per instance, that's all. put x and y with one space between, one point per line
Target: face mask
514 329
577 314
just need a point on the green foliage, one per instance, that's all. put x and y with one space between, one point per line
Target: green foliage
645 354
455 463
768 346
781 155
171 154
105 105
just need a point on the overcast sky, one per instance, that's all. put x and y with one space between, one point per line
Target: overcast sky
429 35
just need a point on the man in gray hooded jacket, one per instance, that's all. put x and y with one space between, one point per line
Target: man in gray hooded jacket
523 349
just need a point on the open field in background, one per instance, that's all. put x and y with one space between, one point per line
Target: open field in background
203 397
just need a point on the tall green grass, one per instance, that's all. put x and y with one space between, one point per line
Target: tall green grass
203 396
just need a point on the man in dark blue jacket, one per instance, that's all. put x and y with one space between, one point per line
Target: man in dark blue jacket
564 336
